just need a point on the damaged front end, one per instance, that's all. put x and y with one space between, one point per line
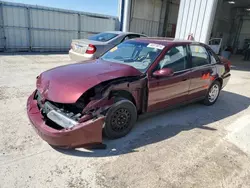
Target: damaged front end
91 105
80 124
60 125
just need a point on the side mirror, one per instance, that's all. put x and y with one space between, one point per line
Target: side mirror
166 72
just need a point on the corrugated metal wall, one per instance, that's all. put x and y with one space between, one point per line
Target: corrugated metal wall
145 17
196 17
16 27
52 29
154 17
27 27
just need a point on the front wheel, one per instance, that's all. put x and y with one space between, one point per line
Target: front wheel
120 119
213 94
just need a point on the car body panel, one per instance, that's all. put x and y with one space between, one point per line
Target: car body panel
79 46
200 80
89 132
223 70
80 57
72 83
78 54
66 84
166 92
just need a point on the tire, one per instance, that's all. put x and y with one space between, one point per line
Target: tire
211 99
120 119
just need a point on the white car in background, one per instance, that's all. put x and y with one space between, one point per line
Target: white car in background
96 45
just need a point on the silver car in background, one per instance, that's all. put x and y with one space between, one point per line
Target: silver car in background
96 45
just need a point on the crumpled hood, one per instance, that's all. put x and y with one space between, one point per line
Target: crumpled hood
66 84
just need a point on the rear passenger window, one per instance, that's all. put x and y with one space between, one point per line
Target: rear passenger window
199 56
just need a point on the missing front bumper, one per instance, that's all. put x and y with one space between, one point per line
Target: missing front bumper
86 133
55 114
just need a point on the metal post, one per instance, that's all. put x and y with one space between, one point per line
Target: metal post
79 26
152 22
161 14
126 17
3 28
29 29
121 14
165 24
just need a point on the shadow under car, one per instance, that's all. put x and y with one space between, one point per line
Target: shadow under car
156 127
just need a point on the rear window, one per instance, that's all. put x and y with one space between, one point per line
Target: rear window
103 37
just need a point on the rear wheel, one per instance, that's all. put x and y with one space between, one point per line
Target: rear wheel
120 119
213 94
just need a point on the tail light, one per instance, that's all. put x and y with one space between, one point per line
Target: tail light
91 49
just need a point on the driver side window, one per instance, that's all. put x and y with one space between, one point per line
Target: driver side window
175 59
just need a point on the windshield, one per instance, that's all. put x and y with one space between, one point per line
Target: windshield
136 54
103 37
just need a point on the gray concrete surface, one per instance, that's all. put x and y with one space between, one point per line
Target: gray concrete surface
192 146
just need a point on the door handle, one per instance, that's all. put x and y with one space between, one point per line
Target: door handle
184 79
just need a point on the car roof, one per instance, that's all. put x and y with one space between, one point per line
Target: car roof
123 33
165 41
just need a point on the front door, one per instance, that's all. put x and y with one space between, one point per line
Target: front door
202 69
168 91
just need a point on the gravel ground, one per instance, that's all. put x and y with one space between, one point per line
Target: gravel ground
192 146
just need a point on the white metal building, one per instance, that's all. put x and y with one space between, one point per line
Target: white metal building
152 17
36 28
205 19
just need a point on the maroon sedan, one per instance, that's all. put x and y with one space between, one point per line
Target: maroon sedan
74 104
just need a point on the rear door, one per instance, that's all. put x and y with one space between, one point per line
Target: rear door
169 91
202 70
